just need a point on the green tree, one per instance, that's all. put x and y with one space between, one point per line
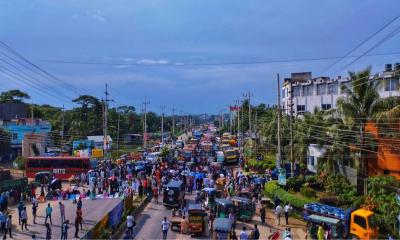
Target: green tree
13 96
361 105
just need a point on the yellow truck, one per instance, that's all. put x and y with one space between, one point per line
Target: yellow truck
356 223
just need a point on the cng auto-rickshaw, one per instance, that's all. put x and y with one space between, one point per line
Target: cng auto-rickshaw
196 218
223 207
174 194
244 208
222 229
209 195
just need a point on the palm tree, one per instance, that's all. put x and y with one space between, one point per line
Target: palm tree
361 105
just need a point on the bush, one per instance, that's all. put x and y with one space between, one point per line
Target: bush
333 201
295 183
274 191
308 192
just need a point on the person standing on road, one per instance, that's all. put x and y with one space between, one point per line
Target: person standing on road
79 216
256 233
48 232
243 234
262 215
64 230
288 208
278 213
24 219
130 223
62 211
8 227
20 208
76 227
49 210
165 226
34 211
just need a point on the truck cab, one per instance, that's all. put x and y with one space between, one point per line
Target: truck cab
361 226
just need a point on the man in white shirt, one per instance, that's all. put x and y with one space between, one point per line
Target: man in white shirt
278 213
243 234
130 222
288 208
165 226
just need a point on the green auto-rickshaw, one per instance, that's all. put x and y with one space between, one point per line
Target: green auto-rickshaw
244 208
223 207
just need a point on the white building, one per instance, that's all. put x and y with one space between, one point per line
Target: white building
99 141
314 152
322 92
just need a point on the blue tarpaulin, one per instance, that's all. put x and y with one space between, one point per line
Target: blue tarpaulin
115 215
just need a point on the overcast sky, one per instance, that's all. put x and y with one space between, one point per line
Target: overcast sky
152 49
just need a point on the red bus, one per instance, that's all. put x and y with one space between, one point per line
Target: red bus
62 167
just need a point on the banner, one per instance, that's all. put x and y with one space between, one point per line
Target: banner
97 153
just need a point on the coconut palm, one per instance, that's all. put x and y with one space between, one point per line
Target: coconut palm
361 105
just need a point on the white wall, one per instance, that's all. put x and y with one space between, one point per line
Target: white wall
314 152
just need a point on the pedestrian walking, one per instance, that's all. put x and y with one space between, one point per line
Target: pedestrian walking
62 211
165 226
20 208
64 230
24 219
49 210
34 211
8 227
130 223
256 233
79 216
288 208
278 214
262 215
48 232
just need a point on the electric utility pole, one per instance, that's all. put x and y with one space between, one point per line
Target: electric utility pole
230 119
119 118
62 127
105 130
162 124
238 118
279 154
173 123
291 128
145 103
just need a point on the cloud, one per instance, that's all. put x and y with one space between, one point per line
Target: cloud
99 16
147 61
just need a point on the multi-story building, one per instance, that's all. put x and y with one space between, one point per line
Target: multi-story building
303 93
18 128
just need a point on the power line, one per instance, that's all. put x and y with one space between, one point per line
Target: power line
56 61
360 44
386 38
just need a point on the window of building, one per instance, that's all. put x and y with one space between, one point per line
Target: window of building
311 160
326 106
386 172
283 93
321 89
360 221
296 91
307 90
14 136
391 84
332 88
301 109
